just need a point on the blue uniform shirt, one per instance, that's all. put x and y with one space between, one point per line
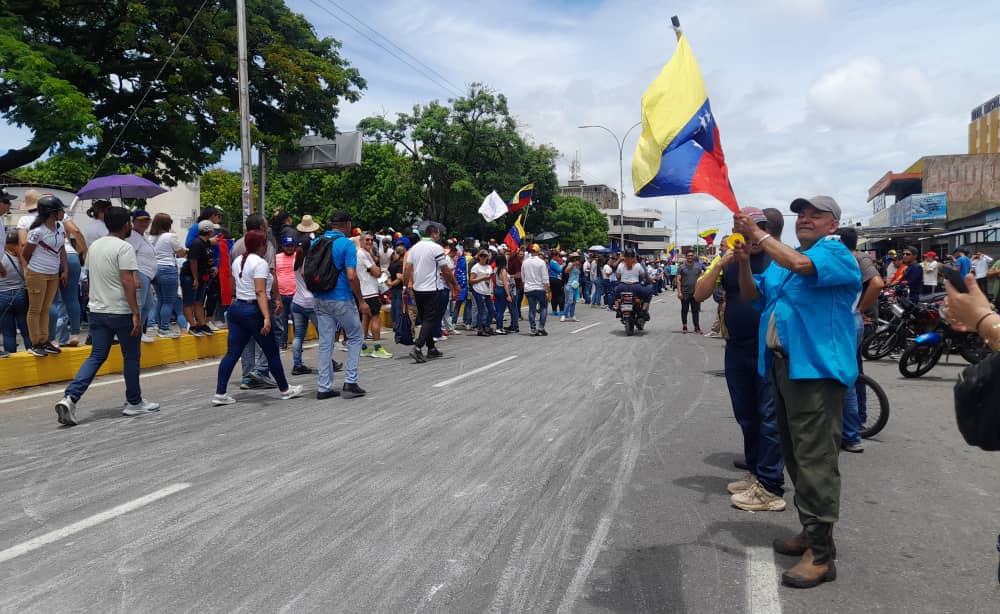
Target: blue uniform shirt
813 314
345 256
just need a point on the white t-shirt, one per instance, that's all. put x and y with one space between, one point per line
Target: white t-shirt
165 246
930 272
254 268
369 283
144 254
45 259
427 259
106 258
302 297
483 287
981 266
607 271
95 230
633 275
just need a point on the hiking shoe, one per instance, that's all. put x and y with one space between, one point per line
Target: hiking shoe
66 411
434 353
349 391
261 381
38 350
855 448
744 483
417 355
50 349
301 370
758 499
143 407
222 399
381 352
291 393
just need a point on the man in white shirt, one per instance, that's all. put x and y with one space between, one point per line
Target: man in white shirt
145 257
114 312
930 265
425 273
535 273
980 267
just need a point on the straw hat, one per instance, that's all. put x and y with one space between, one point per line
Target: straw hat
307 224
30 202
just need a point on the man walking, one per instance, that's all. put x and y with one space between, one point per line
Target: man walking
425 274
762 488
687 278
114 312
806 344
535 273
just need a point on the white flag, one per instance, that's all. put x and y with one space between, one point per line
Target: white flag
493 207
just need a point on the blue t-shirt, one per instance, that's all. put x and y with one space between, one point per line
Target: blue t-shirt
964 265
914 277
345 256
813 314
555 269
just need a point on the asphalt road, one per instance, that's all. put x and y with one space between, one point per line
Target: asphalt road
580 472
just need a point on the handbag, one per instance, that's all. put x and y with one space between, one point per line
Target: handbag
977 403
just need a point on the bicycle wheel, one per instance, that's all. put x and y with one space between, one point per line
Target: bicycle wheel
873 406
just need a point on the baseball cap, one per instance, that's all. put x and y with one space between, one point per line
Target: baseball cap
139 214
6 196
535 247
287 241
754 214
892 252
205 226
822 203
932 254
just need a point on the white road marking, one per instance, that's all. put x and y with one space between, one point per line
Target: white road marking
86 523
580 330
762 582
108 382
473 372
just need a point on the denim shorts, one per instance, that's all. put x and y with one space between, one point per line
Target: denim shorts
190 295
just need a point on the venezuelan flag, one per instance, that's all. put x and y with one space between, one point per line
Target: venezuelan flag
670 248
521 199
709 235
679 151
515 235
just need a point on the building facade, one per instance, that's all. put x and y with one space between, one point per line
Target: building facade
641 232
984 128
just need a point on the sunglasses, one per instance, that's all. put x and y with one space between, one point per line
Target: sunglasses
907 253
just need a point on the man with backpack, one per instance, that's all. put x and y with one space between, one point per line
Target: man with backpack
330 273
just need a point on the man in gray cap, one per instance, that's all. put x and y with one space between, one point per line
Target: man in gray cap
807 347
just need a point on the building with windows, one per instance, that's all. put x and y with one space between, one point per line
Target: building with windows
640 227
984 128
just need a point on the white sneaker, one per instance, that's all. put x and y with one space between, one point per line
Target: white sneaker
744 483
143 407
212 325
222 399
562 318
291 393
758 499
147 338
66 410
170 334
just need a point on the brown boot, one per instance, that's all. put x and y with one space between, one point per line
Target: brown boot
816 565
796 546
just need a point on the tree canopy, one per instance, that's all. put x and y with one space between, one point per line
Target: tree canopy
578 222
462 151
73 72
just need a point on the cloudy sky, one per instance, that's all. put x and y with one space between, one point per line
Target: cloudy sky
811 96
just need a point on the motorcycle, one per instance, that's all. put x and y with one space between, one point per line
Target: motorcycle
907 320
630 312
927 348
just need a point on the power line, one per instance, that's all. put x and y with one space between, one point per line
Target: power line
443 85
400 49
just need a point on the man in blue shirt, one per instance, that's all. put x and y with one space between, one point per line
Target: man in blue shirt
807 345
962 261
339 308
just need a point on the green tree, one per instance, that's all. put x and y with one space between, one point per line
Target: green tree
74 71
72 170
578 222
462 151
223 189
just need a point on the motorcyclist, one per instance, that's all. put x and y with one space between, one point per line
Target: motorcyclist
630 275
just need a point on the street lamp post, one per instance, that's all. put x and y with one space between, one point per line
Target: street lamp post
621 175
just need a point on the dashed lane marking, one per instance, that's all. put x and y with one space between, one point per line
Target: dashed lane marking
580 330
473 372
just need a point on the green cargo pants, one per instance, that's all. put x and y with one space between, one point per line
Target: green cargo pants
810 416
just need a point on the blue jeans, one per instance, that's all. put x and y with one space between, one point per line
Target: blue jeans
753 407
14 317
500 300
852 418
146 299
443 297
301 317
396 306
598 292
67 303
469 311
331 315
281 330
569 305
104 327
245 323
514 306
537 302
484 309
254 360
167 281
585 288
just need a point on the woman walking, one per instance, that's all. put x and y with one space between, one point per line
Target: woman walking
572 274
250 318
47 268
168 249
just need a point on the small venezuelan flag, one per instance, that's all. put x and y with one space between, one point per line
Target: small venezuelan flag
679 151
521 199
709 235
515 235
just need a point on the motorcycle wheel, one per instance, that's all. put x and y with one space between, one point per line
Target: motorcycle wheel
879 344
974 349
629 327
919 359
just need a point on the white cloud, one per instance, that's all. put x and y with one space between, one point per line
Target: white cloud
866 94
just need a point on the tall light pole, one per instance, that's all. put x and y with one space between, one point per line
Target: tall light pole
244 99
621 174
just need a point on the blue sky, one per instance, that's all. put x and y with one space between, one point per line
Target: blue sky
811 96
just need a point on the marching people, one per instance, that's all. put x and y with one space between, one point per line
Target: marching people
250 318
114 314
750 392
807 345
426 274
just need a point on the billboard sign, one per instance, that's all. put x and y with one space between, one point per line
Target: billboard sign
928 207
319 152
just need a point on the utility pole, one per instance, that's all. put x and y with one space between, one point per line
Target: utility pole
244 99
621 174
262 169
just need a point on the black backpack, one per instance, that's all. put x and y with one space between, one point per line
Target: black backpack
318 270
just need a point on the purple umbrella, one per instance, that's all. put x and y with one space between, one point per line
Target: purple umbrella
119 186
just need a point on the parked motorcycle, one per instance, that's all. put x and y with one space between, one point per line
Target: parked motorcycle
630 312
908 319
927 349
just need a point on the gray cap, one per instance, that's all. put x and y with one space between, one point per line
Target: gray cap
823 203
